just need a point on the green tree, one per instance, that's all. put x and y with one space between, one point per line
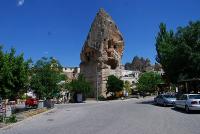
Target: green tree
179 52
46 77
127 87
80 85
148 81
114 84
14 73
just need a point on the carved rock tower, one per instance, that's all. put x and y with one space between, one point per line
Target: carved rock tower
101 53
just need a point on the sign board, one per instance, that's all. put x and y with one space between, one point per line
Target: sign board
5 110
2 109
8 111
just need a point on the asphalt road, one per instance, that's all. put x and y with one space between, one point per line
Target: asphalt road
116 117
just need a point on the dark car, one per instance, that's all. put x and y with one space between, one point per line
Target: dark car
31 102
165 99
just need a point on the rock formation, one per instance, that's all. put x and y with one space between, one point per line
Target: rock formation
102 52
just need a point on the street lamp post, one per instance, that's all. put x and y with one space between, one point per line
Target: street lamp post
97 82
97 86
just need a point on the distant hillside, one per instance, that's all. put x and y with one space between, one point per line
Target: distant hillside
142 64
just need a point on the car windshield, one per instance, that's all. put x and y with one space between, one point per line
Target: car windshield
197 96
169 96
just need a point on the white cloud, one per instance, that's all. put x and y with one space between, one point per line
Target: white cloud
20 2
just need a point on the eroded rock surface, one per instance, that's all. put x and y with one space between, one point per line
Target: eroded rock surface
102 52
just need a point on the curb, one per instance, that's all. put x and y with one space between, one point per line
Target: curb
29 118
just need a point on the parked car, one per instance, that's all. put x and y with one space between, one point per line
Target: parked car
165 99
188 102
31 102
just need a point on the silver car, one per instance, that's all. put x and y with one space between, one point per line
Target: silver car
188 102
165 99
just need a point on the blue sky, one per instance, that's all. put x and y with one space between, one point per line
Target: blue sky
59 28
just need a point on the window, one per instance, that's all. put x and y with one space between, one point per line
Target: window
115 46
102 30
87 56
109 44
169 96
194 96
183 97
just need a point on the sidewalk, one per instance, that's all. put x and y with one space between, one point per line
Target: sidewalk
25 115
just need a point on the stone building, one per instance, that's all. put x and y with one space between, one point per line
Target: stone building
71 72
130 75
101 53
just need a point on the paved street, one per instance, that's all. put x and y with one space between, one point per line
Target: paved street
116 117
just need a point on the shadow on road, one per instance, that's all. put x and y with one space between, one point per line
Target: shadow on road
184 112
151 102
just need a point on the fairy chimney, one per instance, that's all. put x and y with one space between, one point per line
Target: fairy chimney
101 53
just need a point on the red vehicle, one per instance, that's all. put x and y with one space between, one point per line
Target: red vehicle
31 102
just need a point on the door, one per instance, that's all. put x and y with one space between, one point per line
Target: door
181 101
159 99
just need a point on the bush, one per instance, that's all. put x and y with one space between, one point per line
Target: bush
1 118
114 85
101 98
23 97
148 81
80 85
11 119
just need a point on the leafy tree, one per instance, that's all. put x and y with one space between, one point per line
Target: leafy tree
46 77
127 86
80 85
179 52
114 84
14 71
148 81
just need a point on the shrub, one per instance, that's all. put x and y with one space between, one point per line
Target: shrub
11 119
114 85
1 118
101 98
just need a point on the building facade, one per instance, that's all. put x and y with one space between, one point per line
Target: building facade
71 72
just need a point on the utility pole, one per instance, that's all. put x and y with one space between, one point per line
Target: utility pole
97 91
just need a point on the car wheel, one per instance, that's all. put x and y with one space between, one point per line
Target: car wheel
164 104
155 102
174 104
187 109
